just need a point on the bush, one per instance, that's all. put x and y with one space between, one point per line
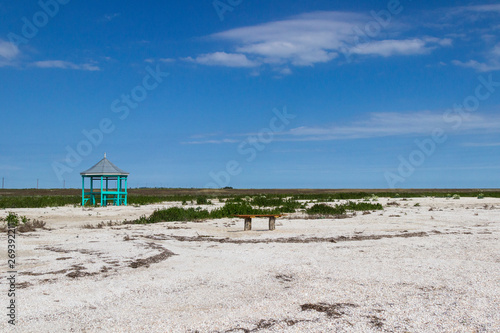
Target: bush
177 214
322 209
230 209
12 220
22 223
190 214
202 200
362 206
480 196
456 196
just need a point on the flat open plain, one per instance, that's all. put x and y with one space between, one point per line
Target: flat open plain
434 267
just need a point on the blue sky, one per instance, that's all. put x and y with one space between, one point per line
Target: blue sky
252 94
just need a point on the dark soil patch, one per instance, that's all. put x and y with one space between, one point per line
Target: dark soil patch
22 285
79 273
54 249
284 278
266 324
335 310
286 240
60 250
153 259
62 271
376 322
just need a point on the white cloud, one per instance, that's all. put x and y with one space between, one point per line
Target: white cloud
8 53
491 64
496 51
285 71
386 48
167 60
483 8
223 59
211 141
164 60
381 124
8 50
303 40
481 144
65 65
478 66
110 17
393 124
313 38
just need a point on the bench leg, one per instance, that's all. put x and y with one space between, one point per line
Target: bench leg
248 223
272 223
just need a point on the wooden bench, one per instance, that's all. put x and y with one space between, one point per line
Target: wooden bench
248 220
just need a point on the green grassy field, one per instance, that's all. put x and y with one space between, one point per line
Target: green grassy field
284 198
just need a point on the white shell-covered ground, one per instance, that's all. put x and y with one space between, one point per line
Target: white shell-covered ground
432 267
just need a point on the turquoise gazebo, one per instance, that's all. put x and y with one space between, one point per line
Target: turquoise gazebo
113 184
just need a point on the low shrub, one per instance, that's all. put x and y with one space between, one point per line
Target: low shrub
202 200
362 206
323 209
21 223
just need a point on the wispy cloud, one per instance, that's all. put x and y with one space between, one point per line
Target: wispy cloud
380 124
8 167
8 53
483 8
223 59
492 62
388 48
481 144
479 66
8 50
163 60
110 17
65 65
309 39
214 141
393 124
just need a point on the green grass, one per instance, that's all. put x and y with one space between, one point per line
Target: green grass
191 214
362 206
323 209
287 203
39 201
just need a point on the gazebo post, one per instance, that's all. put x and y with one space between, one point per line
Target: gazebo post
125 200
101 191
106 194
92 190
118 187
83 190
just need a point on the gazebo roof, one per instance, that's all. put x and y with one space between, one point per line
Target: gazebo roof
104 168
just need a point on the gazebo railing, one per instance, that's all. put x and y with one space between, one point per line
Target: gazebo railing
106 195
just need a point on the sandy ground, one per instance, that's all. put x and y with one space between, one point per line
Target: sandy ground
428 268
